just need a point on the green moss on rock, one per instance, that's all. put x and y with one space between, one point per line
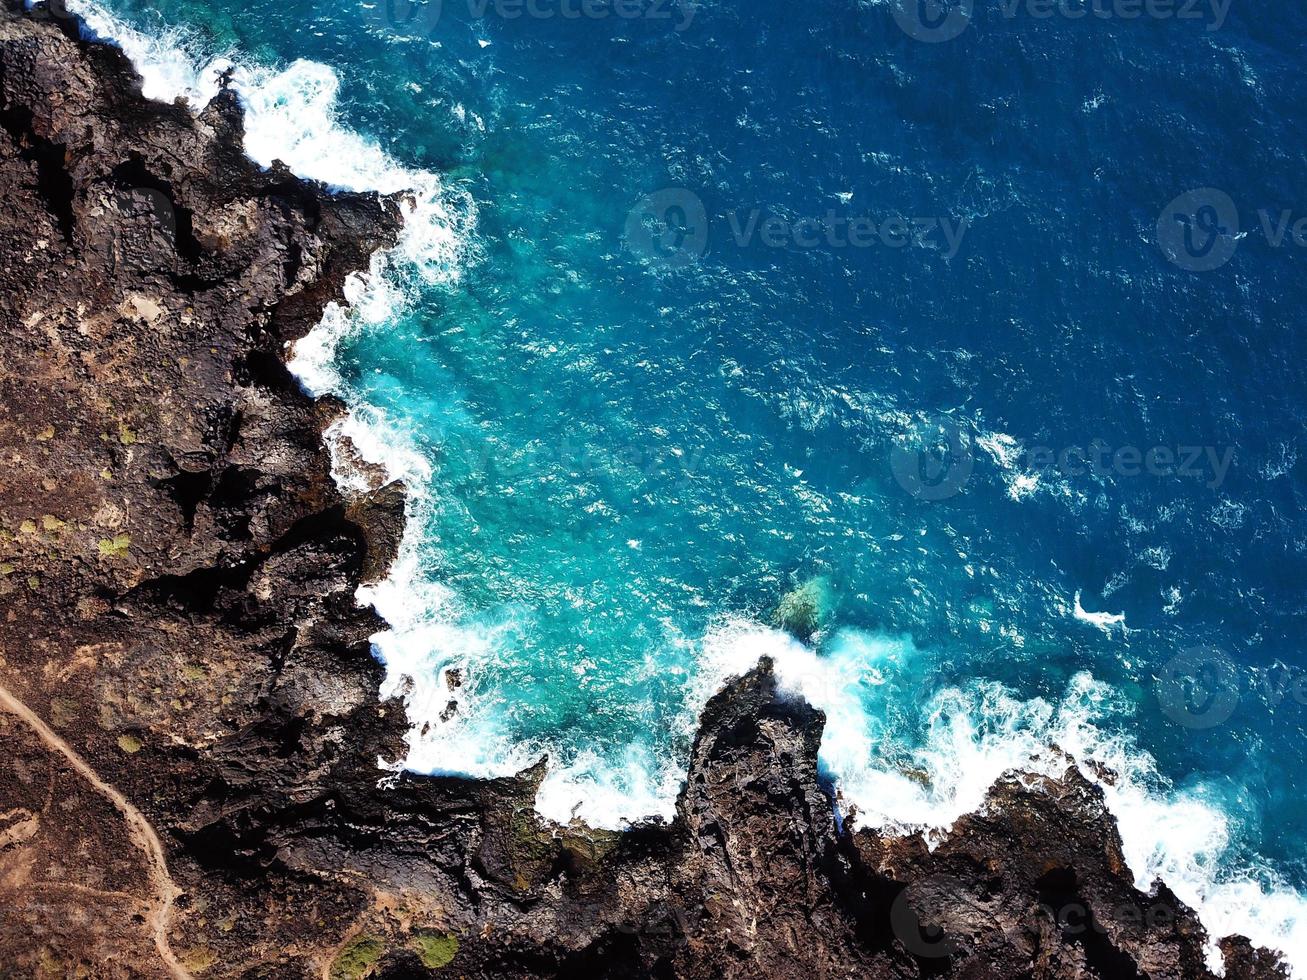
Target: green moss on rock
129 744
358 957
198 959
115 547
435 949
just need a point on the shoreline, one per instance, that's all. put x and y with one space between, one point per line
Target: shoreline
504 850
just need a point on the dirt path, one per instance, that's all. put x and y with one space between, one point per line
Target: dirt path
143 834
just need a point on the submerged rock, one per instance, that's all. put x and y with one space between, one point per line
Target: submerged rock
804 611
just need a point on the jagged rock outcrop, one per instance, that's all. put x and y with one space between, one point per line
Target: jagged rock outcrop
177 572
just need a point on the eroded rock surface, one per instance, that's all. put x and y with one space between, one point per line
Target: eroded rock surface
177 572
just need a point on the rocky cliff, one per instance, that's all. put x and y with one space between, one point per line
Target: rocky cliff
189 708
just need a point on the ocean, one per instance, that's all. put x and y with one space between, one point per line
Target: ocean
948 354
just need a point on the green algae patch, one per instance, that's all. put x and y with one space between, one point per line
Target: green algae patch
586 850
435 949
129 744
115 547
358 957
802 612
197 959
64 712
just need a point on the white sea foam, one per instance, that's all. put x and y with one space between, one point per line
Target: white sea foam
605 793
291 115
371 299
456 728
969 740
1105 621
1180 836
370 449
1007 452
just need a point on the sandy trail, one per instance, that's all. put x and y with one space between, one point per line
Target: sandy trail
142 833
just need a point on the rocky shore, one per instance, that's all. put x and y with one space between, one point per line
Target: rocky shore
188 704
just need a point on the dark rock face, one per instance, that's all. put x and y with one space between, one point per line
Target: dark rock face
177 572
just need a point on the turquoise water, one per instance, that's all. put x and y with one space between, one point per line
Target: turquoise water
657 352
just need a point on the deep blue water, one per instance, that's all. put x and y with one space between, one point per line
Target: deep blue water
642 430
